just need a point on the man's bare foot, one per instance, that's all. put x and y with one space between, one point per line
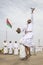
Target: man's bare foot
29 55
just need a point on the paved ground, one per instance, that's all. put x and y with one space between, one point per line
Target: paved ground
15 60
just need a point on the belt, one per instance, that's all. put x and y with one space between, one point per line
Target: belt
28 31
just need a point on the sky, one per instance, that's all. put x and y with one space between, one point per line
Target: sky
18 12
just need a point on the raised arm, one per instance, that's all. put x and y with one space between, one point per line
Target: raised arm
32 11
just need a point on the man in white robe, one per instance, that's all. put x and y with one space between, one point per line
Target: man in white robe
10 47
26 40
16 48
5 48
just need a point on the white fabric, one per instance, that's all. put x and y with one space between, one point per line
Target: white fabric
16 51
10 46
5 49
5 44
27 38
10 51
29 27
15 45
22 51
15 48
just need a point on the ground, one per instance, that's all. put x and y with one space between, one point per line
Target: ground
15 60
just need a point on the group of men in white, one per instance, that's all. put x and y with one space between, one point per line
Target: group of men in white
14 48
10 48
